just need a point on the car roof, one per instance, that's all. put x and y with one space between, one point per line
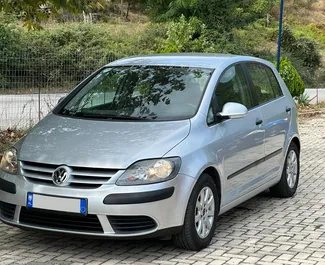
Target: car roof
202 60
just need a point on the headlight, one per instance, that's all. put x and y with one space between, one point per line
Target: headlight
9 161
150 171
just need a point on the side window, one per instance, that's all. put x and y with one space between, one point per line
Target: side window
274 83
261 81
233 87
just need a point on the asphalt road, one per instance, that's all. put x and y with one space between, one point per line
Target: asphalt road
22 110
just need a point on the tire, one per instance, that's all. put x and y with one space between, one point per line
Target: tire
189 237
285 188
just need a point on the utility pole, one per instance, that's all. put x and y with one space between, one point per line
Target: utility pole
280 35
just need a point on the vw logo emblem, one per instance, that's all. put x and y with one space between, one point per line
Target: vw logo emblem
61 175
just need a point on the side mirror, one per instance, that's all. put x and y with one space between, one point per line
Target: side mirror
60 100
233 110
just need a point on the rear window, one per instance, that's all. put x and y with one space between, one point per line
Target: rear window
274 83
265 88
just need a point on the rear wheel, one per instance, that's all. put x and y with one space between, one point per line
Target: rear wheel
200 217
290 175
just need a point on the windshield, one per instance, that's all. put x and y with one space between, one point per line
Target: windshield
140 93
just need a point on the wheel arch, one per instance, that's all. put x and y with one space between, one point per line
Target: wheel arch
296 141
293 139
214 174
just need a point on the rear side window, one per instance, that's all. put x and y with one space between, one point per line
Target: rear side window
261 81
233 87
274 83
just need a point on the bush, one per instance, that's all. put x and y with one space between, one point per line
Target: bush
303 100
185 36
151 38
291 78
63 55
9 37
303 48
255 39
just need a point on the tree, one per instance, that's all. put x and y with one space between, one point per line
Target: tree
220 15
33 12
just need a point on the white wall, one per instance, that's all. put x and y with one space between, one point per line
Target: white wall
315 93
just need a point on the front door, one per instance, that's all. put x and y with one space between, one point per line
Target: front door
243 139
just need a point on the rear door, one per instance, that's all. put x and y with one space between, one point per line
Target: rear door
275 110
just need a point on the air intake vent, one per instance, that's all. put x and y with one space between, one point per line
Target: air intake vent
60 220
7 210
131 224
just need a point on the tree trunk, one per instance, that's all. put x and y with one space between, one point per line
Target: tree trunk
84 16
267 20
127 11
121 8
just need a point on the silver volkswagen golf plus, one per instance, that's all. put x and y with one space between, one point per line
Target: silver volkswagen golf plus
155 146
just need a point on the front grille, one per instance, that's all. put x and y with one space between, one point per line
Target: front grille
131 224
81 177
60 220
7 210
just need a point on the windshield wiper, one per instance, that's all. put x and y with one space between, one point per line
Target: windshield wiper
130 118
107 117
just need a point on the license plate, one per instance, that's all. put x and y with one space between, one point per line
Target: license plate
70 205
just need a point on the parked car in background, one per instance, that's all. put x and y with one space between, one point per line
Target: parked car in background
154 146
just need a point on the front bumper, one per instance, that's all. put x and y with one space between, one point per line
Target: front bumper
163 203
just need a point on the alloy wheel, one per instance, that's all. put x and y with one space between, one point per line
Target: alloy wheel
204 212
292 169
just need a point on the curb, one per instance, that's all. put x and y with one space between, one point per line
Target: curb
310 114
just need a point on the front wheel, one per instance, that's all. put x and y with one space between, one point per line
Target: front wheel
200 217
290 175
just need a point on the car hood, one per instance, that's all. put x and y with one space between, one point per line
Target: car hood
102 144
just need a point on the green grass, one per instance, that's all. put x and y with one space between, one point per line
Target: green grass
310 31
258 38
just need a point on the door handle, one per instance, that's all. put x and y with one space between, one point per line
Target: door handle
288 109
258 121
